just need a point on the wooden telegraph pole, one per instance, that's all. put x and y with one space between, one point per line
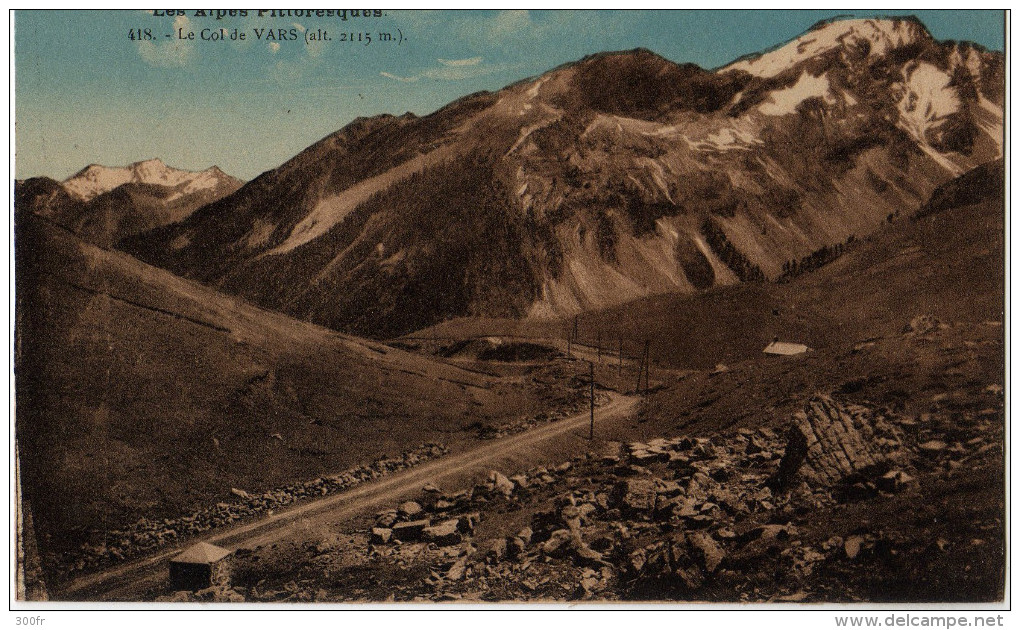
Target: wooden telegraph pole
591 398
641 364
648 361
568 343
619 369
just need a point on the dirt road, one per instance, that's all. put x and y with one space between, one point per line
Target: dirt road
132 580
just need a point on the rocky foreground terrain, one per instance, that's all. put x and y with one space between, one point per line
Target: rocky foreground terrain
846 503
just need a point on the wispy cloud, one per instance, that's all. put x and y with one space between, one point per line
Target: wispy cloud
457 73
473 61
449 70
274 47
401 79
175 53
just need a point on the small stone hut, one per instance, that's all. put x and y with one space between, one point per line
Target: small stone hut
200 566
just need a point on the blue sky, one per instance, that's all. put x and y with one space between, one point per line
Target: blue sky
85 93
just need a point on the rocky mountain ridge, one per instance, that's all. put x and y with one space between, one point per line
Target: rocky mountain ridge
96 179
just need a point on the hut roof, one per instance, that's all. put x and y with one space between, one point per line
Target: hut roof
202 553
785 347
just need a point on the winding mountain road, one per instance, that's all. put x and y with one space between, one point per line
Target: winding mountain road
131 580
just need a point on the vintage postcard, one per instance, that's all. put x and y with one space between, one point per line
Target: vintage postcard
471 306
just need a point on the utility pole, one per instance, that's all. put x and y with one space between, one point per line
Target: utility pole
641 363
648 363
591 398
619 370
600 347
568 343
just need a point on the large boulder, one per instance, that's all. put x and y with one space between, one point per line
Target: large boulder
829 441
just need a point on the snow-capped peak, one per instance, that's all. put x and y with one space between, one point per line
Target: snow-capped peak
96 179
880 35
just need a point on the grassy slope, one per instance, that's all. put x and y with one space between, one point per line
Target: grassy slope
142 394
948 265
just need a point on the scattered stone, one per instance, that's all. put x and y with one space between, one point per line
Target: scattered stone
634 496
852 546
409 509
456 572
410 531
922 325
756 445
709 554
558 543
501 484
496 550
466 524
933 446
525 535
444 534
386 519
381 535
894 481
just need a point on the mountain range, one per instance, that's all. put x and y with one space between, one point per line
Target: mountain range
599 182
107 204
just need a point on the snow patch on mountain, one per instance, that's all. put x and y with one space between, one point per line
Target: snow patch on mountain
990 121
927 100
879 36
785 101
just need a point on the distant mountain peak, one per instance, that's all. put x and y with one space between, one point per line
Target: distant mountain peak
96 179
149 162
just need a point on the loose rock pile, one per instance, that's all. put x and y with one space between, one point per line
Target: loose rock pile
727 518
671 518
146 534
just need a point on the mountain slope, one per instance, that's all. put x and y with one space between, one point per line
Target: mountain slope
620 176
946 262
140 394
